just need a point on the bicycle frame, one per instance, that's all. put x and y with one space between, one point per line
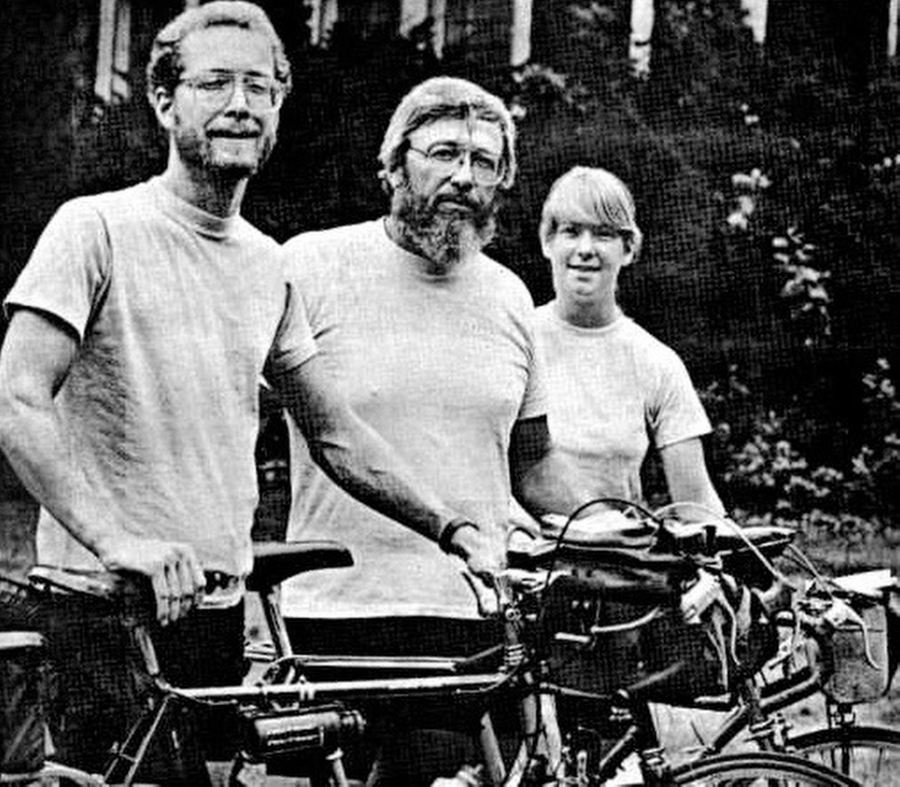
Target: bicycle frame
317 712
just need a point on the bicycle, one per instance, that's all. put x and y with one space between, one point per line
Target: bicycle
832 627
526 669
822 618
289 713
314 730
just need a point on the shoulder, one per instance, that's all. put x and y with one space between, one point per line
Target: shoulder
322 264
252 235
660 368
82 226
339 239
503 282
105 213
125 204
645 342
544 316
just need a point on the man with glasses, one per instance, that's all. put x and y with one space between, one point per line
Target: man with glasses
129 386
433 342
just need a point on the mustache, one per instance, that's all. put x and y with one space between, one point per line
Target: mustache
460 199
424 213
242 130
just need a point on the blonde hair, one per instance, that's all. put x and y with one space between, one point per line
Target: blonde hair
592 196
165 67
446 97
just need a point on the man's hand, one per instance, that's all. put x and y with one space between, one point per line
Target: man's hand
485 558
173 569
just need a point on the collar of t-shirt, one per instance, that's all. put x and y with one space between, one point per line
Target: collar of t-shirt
616 325
186 213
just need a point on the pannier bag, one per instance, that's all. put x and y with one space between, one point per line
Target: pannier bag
650 644
617 614
22 726
860 662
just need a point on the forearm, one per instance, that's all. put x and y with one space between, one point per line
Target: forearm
353 454
35 362
705 499
48 467
688 481
364 465
551 485
544 481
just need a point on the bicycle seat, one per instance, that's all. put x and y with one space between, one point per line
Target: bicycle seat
276 561
273 562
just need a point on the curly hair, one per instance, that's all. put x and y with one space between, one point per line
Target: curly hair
446 97
164 68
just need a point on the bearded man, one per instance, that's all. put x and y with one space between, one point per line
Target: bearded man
433 343
139 330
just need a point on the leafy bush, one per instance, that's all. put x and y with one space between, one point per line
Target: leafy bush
766 478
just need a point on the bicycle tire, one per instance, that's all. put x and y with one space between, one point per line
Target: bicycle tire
871 755
749 769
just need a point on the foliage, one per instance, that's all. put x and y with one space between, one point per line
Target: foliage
767 184
766 478
767 188
805 287
537 85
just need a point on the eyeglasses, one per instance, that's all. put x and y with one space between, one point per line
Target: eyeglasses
216 89
447 159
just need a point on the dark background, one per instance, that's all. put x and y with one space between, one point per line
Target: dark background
815 111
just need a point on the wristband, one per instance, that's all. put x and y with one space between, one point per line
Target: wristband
446 538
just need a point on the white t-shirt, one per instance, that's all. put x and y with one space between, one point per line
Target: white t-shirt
614 392
441 367
178 312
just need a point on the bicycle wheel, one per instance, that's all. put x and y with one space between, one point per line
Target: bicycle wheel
750 769
871 755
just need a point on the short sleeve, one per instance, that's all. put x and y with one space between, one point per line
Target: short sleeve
678 413
294 343
68 271
535 401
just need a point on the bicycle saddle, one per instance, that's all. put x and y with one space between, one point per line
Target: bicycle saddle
276 561
273 562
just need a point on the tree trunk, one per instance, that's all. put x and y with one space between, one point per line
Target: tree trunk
642 15
520 33
757 13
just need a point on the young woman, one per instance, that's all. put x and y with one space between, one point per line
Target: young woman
615 390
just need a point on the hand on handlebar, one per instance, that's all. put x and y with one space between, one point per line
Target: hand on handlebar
485 555
172 567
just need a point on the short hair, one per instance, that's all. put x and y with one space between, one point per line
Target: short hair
446 97
594 196
164 68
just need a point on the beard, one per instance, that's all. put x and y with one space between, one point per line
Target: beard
200 152
445 237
